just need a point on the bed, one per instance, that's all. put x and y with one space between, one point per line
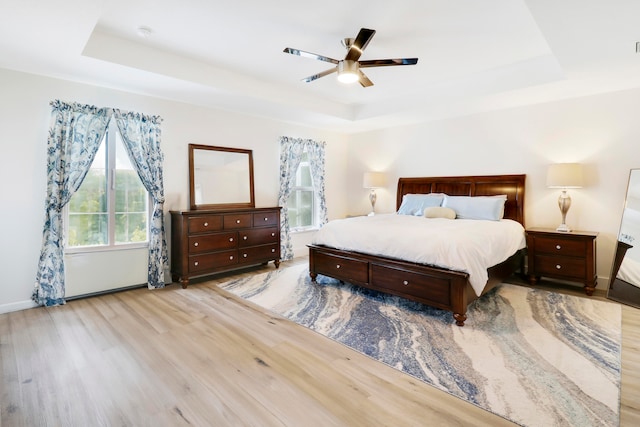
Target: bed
435 286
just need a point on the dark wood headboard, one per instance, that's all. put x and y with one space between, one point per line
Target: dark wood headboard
488 185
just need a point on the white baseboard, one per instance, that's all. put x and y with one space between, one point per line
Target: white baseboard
17 306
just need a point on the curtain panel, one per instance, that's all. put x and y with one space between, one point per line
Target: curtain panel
291 151
75 134
141 136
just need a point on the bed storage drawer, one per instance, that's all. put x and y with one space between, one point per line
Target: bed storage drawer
403 282
342 268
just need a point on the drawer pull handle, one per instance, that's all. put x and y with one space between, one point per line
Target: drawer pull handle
337 265
231 239
237 221
273 234
195 263
206 224
273 250
231 257
558 266
558 247
244 255
406 282
195 244
244 237
266 219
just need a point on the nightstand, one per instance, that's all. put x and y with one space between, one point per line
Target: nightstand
561 255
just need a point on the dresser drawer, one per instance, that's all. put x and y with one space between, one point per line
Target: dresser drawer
233 221
263 252
561 267
265 219
204 223
214 260
258 236
212 242
562 247
342 268
410 283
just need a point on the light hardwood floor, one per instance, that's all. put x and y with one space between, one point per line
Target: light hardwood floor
202 357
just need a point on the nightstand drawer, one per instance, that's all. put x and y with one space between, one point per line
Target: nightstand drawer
561 247
561 267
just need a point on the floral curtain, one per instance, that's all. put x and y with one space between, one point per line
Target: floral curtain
291 151
75 134
141 136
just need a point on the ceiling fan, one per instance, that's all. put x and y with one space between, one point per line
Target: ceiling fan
349 68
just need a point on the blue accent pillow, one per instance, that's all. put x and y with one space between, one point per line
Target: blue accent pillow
414 204
477 207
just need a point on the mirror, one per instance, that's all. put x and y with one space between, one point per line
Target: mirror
220 177
624 285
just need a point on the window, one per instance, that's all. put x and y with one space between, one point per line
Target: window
303 201
111 207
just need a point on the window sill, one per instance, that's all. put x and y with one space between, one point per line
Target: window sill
94 249
304 230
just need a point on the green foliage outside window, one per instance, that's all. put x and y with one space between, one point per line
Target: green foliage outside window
89 216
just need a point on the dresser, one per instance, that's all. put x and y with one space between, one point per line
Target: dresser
204 242
569 256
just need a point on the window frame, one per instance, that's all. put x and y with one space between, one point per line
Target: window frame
110 167
315 201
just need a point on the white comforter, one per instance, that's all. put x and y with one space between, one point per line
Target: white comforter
471 246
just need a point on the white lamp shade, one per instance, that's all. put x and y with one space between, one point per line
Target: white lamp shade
564 175
374 180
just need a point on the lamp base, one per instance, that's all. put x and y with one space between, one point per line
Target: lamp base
372 199
564 203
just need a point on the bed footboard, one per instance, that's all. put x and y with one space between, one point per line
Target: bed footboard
445 289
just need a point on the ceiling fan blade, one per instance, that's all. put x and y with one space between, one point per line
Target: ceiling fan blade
359 44
364 80
309 55
322 74
387 62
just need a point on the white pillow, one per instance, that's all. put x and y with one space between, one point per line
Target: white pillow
478 207
414 204
439 212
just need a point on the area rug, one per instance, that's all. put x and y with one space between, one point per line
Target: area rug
534 357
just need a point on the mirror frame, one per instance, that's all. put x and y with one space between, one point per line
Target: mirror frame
193 148
623 292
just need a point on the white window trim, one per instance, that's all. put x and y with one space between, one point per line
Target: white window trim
111 246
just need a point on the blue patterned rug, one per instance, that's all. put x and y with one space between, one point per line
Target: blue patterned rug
534 357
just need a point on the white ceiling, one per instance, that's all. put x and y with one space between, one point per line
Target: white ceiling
473 55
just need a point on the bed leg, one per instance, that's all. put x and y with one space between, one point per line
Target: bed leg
313 276
460 318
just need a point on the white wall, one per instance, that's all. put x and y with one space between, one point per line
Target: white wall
24 123
603 132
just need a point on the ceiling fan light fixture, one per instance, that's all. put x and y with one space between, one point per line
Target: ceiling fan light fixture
348 71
